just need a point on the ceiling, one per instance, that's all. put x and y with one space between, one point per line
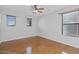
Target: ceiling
27 9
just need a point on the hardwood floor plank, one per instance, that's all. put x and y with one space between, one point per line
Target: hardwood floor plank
39 46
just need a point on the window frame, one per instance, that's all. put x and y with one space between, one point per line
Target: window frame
62 31
29 21
8 21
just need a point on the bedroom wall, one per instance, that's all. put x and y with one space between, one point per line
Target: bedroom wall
0 27
50 27
20 30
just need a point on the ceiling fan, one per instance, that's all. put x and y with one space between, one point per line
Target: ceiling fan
38 9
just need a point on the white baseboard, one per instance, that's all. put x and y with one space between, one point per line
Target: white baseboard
17 38
76 46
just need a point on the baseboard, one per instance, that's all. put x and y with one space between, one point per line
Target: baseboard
0 42
18 38
58 41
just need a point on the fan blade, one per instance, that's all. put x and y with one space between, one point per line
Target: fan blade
40 11
41 8
35 6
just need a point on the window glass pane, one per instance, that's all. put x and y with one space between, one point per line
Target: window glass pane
70 17
71 24
11 20
29 21
70 30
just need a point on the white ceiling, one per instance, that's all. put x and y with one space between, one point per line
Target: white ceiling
27 9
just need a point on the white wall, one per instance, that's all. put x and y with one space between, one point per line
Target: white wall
20 30
0 26
50 27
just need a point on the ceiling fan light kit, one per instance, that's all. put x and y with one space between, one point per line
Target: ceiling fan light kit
38 9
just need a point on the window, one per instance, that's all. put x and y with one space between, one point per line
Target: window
11 20
70 24
29 21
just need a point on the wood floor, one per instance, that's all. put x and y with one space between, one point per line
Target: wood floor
39 46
